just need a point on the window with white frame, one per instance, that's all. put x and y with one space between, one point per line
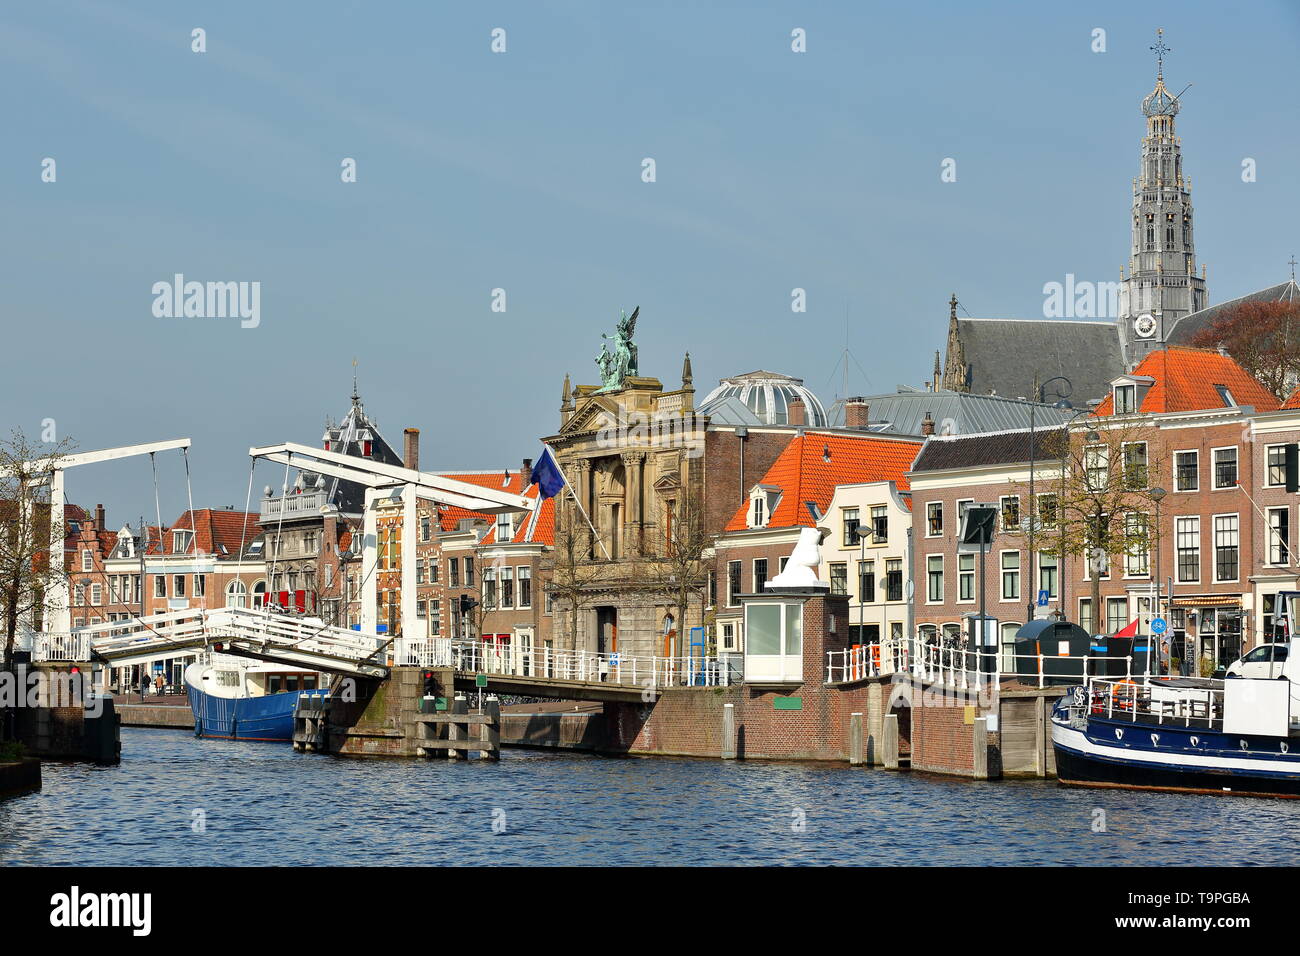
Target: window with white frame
1125 399
1187 475
733 583
178 585
934 579
1275 458
1137 549
1187 547
160 586
489 587
1010 575
1279 535
1227 547
1225 468
1096 467
505 528
1010 511
1135 464
1116 615
96 594
850 525
1048 574
727 640
880 523
200 585
965 577
525 576
508 587
839 575
933 519
87 561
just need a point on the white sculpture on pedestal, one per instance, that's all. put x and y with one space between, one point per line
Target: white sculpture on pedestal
801 567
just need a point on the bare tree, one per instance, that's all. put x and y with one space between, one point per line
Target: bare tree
569 575
27 526
681 571
1099 509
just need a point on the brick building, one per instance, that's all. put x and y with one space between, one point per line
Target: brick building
839 479
1188 418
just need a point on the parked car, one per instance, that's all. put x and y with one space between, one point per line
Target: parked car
1264 661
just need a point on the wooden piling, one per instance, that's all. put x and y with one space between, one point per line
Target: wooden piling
856 739
980 748
490 732
889 745
458 733
728 731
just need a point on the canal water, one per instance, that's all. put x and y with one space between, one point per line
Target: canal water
178 800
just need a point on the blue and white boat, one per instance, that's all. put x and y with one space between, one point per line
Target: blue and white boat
247 700
1239 736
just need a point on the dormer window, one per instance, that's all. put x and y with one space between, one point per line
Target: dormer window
1228 400
1125 399
181 541
762 502
505 528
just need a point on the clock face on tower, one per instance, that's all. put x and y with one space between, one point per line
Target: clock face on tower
1145 325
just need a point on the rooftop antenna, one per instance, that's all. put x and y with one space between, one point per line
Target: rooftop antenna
1291 263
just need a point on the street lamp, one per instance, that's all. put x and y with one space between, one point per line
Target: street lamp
1063 402
1157 495
345 556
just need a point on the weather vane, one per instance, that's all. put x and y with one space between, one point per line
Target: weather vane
1160 50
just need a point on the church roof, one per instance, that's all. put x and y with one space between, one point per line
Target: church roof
1003 355
767 395
1186 328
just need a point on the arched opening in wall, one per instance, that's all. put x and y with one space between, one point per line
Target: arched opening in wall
900 706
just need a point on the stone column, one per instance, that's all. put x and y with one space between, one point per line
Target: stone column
633 468
584 495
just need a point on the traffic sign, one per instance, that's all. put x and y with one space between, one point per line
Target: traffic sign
480 680
1043 597
613 660
1159 625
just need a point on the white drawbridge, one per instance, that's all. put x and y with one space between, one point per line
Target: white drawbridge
264 635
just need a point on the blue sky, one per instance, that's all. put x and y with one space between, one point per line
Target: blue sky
522 171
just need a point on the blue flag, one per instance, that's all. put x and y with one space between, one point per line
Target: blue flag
547 475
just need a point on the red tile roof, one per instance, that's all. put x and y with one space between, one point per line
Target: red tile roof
217 531
515 482
815 463
1186 380
1293 400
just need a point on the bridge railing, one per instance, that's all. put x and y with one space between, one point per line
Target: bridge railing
950 666
55 647
551 664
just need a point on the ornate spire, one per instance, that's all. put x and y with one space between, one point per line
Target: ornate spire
1160 50
687 378
356 395
566 396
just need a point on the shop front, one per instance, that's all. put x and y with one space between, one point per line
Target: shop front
1208 630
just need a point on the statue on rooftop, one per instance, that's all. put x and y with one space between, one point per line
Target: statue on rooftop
615 367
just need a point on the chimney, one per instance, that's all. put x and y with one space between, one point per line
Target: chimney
99 517
411 448
855 412
525 471
798 412
927 425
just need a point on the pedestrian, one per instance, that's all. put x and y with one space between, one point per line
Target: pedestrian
158 685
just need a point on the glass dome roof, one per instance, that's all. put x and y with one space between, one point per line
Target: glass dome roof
768 395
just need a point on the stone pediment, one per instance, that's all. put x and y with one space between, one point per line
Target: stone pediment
669 481
597 412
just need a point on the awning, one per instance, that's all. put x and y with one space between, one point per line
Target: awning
1209 600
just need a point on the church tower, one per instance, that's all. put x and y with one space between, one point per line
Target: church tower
1162 285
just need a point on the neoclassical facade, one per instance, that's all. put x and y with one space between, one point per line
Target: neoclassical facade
633 457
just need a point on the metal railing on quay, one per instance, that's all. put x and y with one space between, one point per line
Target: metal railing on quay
957 667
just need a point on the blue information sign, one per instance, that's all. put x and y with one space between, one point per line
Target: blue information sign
1043 597
1159 625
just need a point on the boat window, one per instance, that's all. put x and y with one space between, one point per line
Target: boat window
228 678
273 684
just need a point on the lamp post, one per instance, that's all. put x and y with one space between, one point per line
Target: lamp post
1157 495
345 556
1063 402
